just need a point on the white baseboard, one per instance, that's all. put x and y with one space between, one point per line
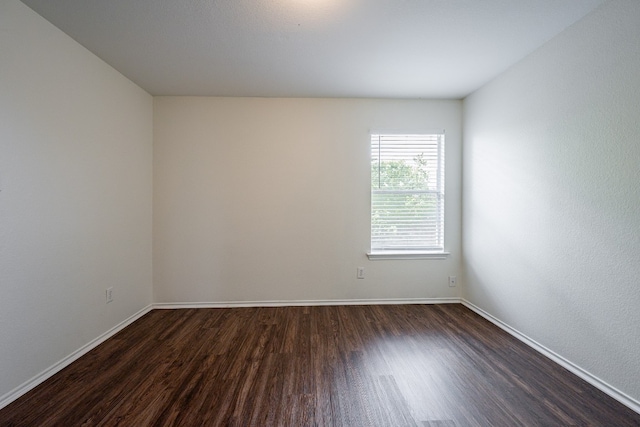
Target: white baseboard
591 379
54 369
613 392
30 384
305 303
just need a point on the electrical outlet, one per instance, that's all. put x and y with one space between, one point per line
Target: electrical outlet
452 281
109 294
360 273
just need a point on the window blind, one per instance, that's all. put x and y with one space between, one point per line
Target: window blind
407 192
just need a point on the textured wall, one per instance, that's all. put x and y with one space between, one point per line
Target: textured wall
268 199
75 199
552 198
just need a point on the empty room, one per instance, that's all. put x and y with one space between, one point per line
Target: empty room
320 213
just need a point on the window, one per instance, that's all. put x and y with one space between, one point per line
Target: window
407 195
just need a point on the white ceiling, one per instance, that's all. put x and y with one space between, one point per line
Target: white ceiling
312 48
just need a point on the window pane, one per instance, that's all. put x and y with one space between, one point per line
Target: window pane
407 192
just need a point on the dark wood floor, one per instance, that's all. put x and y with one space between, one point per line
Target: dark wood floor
409 365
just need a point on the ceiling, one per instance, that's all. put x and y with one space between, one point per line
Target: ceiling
312 48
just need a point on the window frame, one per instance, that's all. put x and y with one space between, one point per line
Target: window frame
409 252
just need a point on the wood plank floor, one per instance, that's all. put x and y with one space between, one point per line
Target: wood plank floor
408 365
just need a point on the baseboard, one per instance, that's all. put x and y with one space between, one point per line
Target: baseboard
304 303
25 387
608 389
54 369
588 377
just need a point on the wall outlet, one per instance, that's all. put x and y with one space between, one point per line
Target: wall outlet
360 273
452 281
109 294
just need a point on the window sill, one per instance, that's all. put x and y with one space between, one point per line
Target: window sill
374 256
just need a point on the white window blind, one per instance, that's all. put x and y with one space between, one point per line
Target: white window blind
407 192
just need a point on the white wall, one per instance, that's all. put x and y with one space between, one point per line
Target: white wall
552 195
268 199
75 199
